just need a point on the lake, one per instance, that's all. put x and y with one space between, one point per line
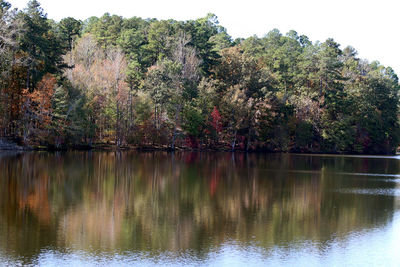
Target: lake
198 209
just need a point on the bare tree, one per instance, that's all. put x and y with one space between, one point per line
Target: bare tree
100 75
186 57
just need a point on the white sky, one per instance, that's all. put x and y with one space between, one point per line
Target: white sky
371 27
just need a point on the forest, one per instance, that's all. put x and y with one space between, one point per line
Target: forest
140 83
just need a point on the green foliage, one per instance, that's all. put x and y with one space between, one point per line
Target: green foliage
40 43
194 120
156 83
304 134
69 29
208 37
106 29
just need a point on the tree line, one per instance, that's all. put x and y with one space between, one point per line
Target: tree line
166 84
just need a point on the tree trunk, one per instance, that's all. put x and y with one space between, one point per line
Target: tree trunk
249 136
155 116
131 109
248 140
233 144
173 139
175 127
117 135
27 78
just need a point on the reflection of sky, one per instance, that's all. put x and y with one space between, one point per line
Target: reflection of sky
397 198
375 192
376 247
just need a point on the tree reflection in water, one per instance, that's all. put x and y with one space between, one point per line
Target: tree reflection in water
107 202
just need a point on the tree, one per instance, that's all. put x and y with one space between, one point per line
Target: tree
159 40
171 82
208 38
37 109
11 68
244 83
69 29
114 76
377 111
42 47
107 29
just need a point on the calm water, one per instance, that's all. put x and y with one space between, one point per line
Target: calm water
214 209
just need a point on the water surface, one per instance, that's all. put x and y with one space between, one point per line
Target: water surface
213 209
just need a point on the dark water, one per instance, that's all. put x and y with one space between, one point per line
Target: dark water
214 209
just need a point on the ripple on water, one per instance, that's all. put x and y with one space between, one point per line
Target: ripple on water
394 192
370 174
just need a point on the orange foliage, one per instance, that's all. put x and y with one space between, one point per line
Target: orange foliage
37 200
38 104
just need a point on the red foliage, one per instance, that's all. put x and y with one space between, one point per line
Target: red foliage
216 120
191 142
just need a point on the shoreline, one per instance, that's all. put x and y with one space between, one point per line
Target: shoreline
12 147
